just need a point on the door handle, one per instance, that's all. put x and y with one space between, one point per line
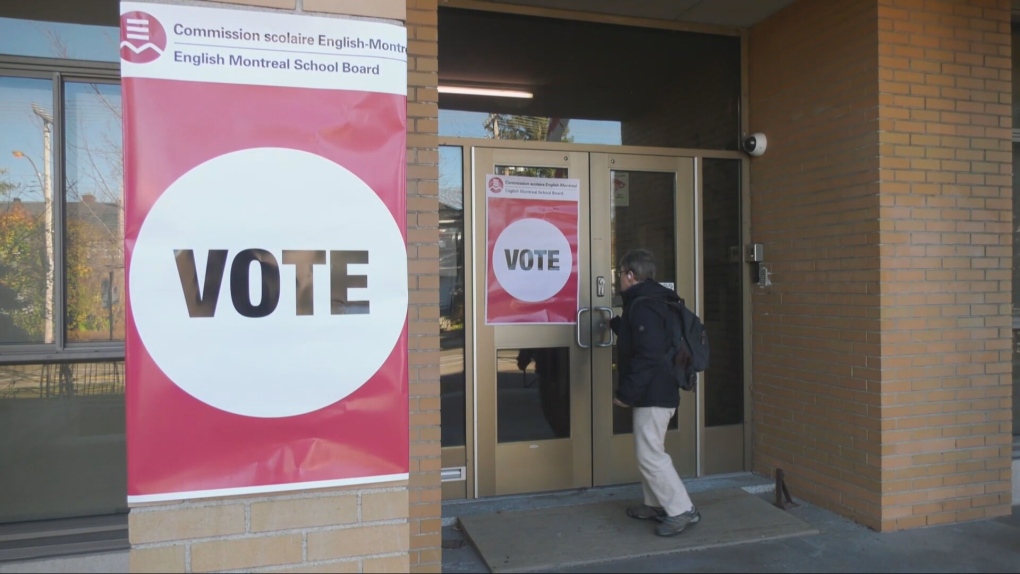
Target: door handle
577 331
604 324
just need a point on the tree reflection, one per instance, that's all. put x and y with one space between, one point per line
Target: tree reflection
92 249
23 268
94 212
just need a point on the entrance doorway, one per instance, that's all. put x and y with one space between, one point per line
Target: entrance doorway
543 413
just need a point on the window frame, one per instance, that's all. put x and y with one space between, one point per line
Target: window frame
59 72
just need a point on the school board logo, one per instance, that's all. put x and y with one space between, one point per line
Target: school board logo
142 37
267 291
532 260
495 185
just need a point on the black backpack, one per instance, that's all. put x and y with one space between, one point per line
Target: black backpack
688 349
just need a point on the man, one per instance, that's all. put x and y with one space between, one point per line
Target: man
647 384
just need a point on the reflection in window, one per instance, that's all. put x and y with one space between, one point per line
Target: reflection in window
462 124
59 40
62 428
86 205
724 310
641 216
26 211
533 394
94 206
451 296
529 171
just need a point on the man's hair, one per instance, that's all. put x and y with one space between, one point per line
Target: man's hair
640 262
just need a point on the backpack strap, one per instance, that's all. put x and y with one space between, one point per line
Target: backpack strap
662 309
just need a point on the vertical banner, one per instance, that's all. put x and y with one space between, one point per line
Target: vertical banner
531 252
264 163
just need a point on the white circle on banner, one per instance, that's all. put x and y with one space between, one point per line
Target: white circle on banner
281 364
532 260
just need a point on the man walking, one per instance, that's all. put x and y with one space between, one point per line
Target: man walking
647 384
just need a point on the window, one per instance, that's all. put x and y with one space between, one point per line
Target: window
61 215
61 268
61 39
451 296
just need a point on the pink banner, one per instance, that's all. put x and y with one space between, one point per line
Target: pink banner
531 253
265 251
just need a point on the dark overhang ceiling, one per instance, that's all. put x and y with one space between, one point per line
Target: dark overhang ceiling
557 61
732 13
575 69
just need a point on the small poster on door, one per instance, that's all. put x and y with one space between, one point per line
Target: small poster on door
531 250
621 189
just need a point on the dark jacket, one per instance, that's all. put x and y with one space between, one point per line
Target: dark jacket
642 343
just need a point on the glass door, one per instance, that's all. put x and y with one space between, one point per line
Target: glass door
639 202
545 375
533 363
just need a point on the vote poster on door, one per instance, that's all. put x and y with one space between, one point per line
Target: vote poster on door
531 236
265 251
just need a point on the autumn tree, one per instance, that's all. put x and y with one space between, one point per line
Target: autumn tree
23 267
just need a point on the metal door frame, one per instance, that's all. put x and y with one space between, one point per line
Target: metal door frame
466 456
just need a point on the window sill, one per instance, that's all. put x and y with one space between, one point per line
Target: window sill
54 538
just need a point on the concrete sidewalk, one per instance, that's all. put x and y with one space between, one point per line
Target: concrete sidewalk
841 545
991 545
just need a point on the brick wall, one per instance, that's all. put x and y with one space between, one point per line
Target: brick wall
335 530
423 266
393 527
946 171
814 205
881 362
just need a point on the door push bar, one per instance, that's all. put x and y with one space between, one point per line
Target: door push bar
577 330
604 326
607 313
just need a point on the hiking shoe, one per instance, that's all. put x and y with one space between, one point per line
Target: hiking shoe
673 525
644 512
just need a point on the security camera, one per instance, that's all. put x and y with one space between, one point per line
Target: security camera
755 144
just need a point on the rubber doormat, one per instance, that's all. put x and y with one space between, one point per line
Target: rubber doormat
537 540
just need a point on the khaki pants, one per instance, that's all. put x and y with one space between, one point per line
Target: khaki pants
659 479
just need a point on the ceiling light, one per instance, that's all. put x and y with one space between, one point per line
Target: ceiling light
469 91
